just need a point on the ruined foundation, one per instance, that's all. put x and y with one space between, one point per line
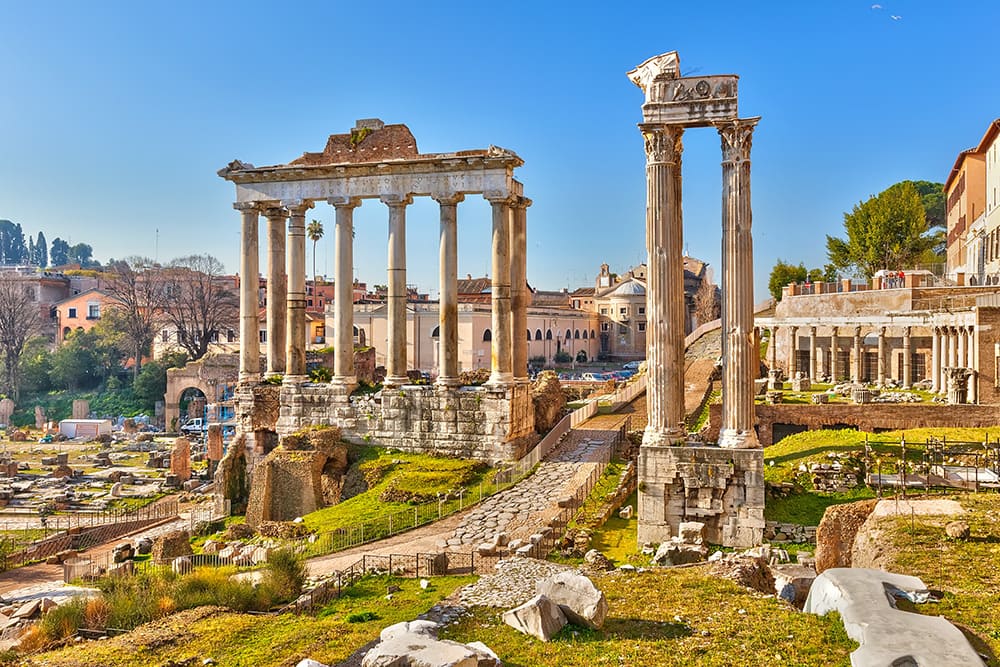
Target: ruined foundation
723 488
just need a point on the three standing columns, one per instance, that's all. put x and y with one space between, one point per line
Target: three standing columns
343 296
665 311
395 358
739 353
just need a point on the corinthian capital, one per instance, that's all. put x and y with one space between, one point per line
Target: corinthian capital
737 137
663 143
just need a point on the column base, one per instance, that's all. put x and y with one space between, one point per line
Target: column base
395 381
731 438
448 382
295 379
348 382
498 379
249 378
653 437
273 374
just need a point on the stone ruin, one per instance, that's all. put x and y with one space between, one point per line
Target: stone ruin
180 460
39 417
549 401
81 408
6 410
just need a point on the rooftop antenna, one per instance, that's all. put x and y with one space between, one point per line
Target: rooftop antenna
156 246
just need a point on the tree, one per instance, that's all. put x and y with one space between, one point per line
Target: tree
783 274
706 302
151 384
135 287
59 252
202 304
888 231
315 232
13 250
41 257
20 319
36 363
81 254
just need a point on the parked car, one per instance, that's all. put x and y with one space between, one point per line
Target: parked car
632 365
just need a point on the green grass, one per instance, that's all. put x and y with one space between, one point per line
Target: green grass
807 508
242 640
699 419
672 617
616 539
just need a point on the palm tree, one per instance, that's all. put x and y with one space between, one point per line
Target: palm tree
315 232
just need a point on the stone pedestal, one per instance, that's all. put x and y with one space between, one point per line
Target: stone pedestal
957 385
775 379
81 408
722 488
801 382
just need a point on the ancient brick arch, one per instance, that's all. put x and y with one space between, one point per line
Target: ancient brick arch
209 375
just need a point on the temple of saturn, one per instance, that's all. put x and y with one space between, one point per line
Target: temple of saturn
723 486
380 162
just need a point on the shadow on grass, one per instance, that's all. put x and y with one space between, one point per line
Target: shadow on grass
624 628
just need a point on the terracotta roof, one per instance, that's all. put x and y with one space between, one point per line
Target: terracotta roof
475 286
550 298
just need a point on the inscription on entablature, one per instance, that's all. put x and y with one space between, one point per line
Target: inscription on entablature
693 101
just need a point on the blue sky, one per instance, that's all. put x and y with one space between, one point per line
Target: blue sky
114 116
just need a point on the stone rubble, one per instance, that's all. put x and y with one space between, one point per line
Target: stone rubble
539 617
512 584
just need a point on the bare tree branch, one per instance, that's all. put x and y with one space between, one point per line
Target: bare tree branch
20 318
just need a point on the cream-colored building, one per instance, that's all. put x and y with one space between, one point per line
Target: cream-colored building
965 191
987 252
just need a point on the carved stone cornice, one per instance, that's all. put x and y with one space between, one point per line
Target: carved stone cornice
664 143
393 201
344 202
737 138
664 66
448 198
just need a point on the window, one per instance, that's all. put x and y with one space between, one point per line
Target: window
592 334
165 336
93 311
576 333
605 326
642 326
230 336
487 336
538 334
548 334
434 334
622 329
604 311
642 310
623 311
569 334
310 303
529 335
262 335
585 334
71 314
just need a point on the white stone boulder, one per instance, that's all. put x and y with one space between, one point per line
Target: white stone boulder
887 636
678 553
581 602
539 617
625 512
792 582
418 627
413 650
309 662
691 532
487 658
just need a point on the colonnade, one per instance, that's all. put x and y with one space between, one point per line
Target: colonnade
285 274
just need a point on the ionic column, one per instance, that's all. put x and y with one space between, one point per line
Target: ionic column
500 347
395 356
249 286
665 312
739 361
519 289
812 354
448 311
881 356
834 362
935 368
277 290
343 291
907 370
295 314
856 371
793 353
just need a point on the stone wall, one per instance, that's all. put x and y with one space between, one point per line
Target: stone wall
469 422
870 417
723 488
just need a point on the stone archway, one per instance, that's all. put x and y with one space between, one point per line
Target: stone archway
210 375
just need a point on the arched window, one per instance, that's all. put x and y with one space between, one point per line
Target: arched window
355 332
529 335
592 334
538 334
585 334
436 333
569 334
487 336
548 335
576 333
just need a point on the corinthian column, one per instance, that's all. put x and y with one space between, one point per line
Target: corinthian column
249 286
277 290
935 360
500 347
739 356
907 353
343 295
665 312
448 311
834 346
813 372
295 315
395 356
519 289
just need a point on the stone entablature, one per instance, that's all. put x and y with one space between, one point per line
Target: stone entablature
482 423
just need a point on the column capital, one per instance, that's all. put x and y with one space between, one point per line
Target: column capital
523 202
881 331
275 211
297 206
344 202
857 332
737 138
906 332
448 198
664 143
500 197
247 206
395 200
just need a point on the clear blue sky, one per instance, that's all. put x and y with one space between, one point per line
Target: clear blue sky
114 116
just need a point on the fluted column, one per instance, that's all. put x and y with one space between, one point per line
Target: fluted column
395 356
277 290
856 371
881 356
813 374
935 368
448 310
665 311
960 336
907 354
772 349
793 352
295 314
973 390
343 291
952 347
500 348
834 353
249 286
738 353
519 289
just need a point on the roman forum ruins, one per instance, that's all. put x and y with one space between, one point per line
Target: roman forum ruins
720 486
375 161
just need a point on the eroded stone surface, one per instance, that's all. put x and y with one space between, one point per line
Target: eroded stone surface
539 617
577 596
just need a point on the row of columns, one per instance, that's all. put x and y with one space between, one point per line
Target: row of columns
285 270
952 347
665 313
